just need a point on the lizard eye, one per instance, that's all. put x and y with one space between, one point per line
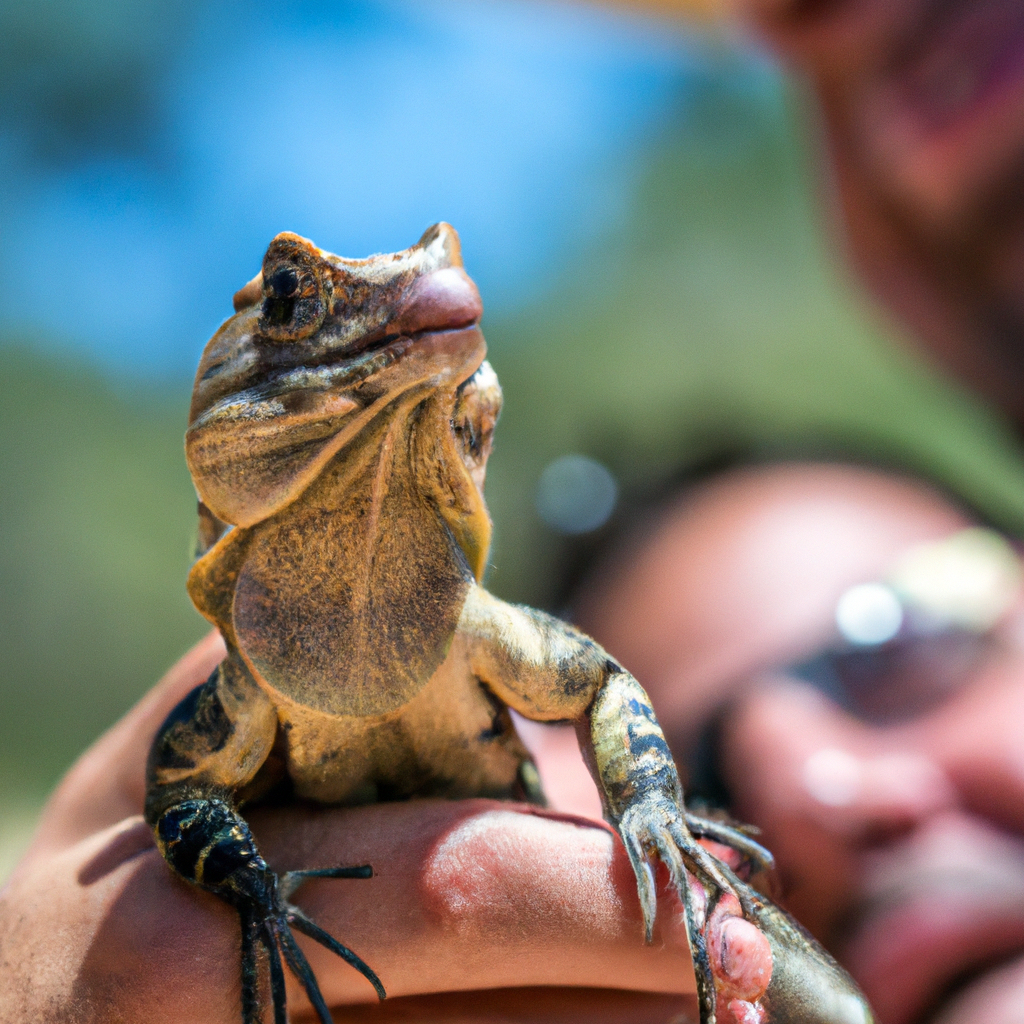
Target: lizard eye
296 289
279 303
284 283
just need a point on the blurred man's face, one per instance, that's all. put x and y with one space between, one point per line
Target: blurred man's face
891 786
923 103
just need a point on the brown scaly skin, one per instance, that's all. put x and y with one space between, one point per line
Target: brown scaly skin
339 431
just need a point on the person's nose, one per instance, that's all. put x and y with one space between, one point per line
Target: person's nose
824 788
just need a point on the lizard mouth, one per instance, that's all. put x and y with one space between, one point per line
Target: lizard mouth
442 301
445 300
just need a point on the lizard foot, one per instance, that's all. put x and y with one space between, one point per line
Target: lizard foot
209 843
736 837
752 963
653 829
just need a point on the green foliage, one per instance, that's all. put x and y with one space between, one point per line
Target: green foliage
96 516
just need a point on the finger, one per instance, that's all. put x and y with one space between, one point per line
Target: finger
107 783
475 894
466 895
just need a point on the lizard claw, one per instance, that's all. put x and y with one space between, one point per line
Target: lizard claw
651 829
208 843
273 923
753 964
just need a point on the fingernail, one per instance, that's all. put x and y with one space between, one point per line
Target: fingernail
747 1013
746 959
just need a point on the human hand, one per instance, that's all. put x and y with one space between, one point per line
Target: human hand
469 900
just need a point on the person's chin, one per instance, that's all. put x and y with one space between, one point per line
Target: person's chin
946 912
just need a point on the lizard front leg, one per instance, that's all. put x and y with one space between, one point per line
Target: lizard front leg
205 756
643 798
547 670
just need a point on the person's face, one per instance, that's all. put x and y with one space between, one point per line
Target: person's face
923 103
899 835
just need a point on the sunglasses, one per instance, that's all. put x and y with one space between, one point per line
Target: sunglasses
901 646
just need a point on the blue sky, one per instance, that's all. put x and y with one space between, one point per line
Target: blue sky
358 124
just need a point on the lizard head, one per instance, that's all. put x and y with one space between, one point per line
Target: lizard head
312 321
319 350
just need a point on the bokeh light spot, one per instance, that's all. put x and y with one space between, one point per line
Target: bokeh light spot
869 614
576 494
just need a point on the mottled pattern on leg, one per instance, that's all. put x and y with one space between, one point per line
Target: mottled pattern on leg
213 742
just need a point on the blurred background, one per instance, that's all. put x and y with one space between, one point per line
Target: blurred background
635 201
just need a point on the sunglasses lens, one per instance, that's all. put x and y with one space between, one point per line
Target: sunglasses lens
899 680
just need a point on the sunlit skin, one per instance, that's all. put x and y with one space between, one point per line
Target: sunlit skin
918 878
